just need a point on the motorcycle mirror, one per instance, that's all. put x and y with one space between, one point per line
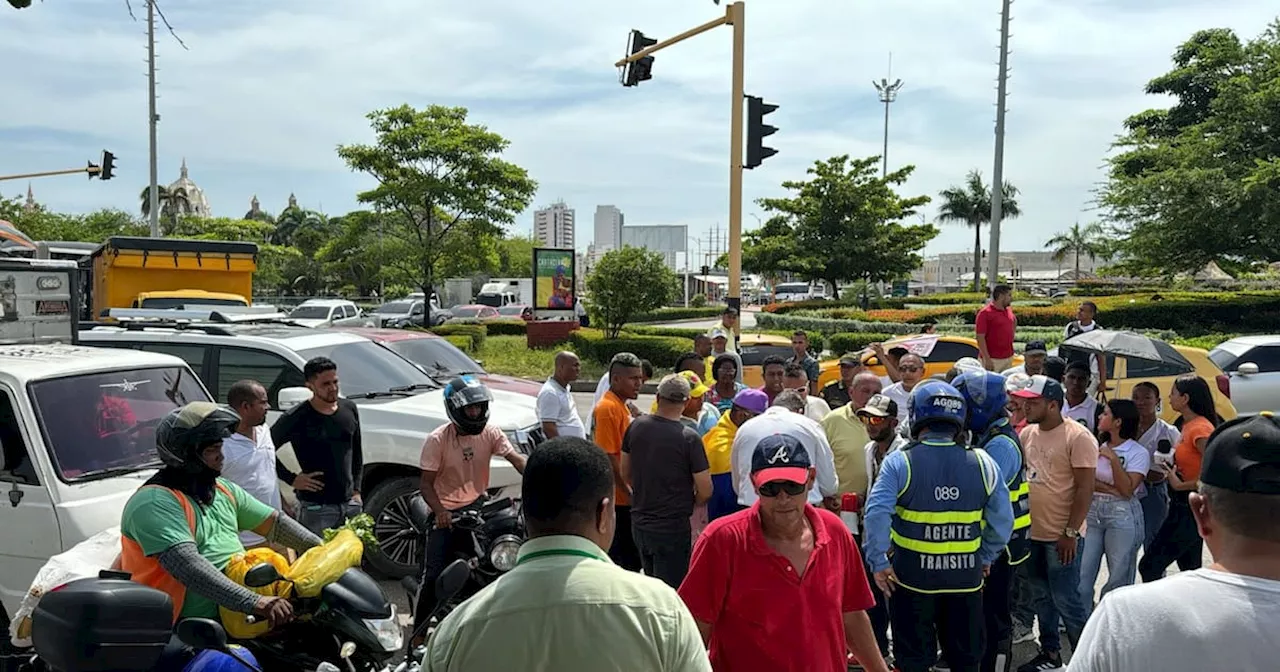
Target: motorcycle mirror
452 580
261 576
202 634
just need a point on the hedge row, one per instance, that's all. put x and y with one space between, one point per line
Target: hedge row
475 332
661 351
668 314
828 325
840 344
463 343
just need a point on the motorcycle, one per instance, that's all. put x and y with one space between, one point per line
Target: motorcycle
495 530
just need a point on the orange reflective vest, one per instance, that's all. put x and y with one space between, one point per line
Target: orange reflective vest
147 570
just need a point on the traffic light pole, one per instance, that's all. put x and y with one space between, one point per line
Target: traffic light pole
91 170
734 15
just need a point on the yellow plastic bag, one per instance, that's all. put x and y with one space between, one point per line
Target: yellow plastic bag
236 623
324 564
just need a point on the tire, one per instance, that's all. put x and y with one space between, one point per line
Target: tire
400 546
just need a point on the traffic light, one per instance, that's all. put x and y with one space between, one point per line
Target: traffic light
108 165
638 71
757 130
706 270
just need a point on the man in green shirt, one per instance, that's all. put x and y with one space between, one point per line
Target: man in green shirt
180 530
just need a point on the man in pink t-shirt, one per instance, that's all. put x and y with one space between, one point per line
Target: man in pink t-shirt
995 325
455 473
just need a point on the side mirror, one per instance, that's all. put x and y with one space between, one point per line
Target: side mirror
1248 369
261 576
202 634
452 580
292 396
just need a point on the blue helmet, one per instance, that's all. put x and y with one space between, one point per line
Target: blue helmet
985 395
934 401
217 661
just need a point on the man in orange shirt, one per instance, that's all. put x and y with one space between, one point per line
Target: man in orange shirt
611 419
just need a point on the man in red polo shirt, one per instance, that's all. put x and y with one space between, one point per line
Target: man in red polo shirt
995 325
780 586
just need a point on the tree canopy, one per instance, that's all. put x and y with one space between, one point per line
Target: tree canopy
1199 181
843 223
627 282
970 204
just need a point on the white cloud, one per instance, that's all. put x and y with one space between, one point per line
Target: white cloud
263 96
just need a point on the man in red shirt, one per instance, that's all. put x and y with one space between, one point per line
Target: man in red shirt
780 586
995 326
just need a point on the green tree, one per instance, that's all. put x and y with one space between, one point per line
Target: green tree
970 204
1076 241
277 264
438 172
843 223
1199 181
174 203
515 257
627 282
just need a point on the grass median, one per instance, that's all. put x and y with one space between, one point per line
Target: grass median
512 356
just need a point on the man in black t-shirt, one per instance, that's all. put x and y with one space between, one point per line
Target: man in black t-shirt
664 463
325 435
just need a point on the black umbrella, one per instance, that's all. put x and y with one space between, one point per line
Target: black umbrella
1126 344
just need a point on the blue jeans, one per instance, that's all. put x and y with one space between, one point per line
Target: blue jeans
1114 529
1055 592
321 517
1155 508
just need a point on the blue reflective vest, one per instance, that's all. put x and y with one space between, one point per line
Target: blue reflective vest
1019 548
936 530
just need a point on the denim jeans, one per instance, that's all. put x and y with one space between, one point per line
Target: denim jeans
1055 592
1155 507
321 517
1114 529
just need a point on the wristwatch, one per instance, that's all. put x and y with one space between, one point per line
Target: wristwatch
1071 534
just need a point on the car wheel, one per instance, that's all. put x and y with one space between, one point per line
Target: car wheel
400 546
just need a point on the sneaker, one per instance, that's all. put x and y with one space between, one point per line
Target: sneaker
1044 662
1022 634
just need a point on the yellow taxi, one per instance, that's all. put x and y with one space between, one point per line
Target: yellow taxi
1124 373
940 353
754 348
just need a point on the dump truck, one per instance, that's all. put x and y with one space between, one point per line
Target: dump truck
153 273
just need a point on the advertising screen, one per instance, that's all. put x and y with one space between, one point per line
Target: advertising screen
553 280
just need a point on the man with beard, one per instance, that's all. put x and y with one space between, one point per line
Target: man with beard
180 530
249 455
880 417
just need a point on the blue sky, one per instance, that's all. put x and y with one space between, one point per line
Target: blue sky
267 90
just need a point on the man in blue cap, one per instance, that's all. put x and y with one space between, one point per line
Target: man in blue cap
937 518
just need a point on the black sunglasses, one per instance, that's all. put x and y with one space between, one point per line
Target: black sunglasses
772 488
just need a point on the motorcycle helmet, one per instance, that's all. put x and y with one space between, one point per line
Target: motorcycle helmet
933 402
462 392
186 431
217 661
984 397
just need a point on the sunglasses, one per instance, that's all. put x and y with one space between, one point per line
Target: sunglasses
872 420
909 369
773 488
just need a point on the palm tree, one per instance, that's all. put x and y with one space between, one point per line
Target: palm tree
971 205
173 203
1077 241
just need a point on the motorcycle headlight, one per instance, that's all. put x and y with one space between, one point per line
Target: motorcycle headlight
504 552
387 631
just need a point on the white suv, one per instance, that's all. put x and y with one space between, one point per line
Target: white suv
399 406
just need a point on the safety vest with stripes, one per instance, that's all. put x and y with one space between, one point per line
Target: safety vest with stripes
936 529
1019 548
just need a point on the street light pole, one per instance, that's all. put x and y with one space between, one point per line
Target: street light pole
888 92
997 172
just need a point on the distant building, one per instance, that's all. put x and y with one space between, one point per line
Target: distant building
954 270
667 240
553 226
608 229
30 204
195 202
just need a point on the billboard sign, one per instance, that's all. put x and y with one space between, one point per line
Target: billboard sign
553 279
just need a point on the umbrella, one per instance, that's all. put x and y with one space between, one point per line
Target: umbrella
1126 344
13 240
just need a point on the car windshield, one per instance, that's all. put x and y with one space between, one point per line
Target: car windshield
395 308
113 418
365 367
438 356
1222 357
310 312
511 310
462 311
165 303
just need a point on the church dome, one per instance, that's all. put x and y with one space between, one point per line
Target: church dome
196 202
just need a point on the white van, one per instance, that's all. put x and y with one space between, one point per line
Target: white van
797 291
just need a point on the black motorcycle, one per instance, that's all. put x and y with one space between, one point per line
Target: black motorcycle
494 531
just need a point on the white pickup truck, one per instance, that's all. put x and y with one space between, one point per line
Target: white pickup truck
77 424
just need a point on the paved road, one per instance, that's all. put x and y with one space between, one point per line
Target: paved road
1022 652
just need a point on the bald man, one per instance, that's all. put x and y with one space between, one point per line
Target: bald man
556 408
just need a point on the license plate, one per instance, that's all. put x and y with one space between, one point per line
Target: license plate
52 308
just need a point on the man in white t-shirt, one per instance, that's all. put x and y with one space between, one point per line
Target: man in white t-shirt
1222 617
249 455
1079 406
557 410
911 367
785 416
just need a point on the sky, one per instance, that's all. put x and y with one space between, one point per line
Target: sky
264 93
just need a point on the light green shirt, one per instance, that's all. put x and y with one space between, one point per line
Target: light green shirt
566 606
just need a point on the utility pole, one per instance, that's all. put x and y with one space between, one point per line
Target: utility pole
997 172
153 195
888 92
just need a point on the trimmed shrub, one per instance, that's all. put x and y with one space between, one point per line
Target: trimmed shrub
698 301
507 328
823 325
475 332
669 314
673 332
841 344
661 351
463 343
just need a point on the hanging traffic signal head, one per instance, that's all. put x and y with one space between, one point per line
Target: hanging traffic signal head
108 165
640 70
757 130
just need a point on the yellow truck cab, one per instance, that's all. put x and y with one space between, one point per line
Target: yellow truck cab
131 272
